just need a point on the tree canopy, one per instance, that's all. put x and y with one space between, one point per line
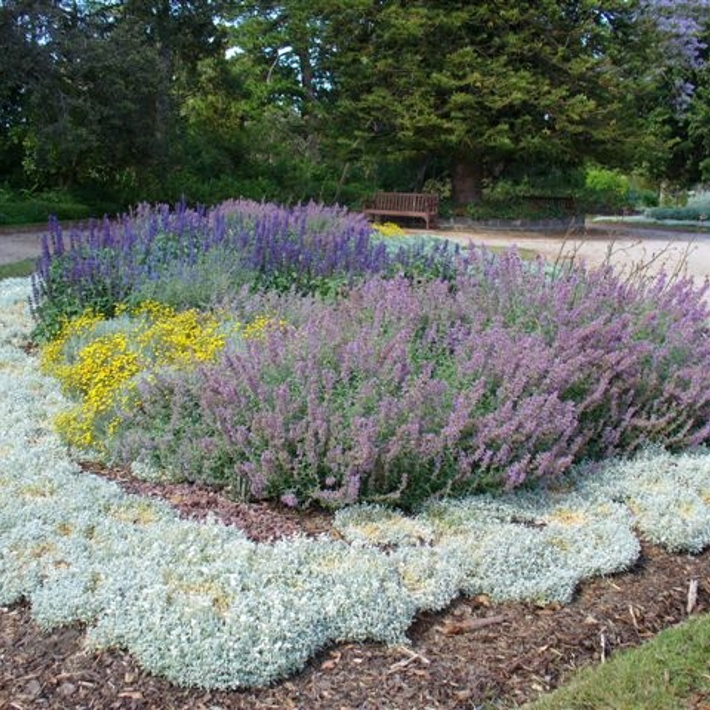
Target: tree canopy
293 99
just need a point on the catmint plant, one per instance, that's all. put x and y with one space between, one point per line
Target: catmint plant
404 390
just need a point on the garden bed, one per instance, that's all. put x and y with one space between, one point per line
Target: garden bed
450 663
344 389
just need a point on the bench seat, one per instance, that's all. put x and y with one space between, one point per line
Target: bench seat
404 204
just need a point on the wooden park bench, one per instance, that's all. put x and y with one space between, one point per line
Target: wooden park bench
404 204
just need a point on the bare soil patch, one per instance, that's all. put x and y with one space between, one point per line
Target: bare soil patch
473 654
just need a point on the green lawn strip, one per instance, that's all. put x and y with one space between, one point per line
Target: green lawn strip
18 269
664 674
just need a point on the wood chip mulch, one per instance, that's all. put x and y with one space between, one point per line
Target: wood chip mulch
475 654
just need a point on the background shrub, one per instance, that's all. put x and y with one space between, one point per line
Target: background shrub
688 214
606 192
508 200
27 207
697 209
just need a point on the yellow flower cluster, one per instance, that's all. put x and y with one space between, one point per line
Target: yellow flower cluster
257 329
99 366
179 339
53 353
390 229
99 377
102 373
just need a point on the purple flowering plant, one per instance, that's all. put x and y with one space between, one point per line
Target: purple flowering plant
501 376
307 248
681 26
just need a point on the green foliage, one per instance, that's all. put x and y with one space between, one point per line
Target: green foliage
30 208
480 86
18 269
664 674
329 100
643 197
696 209
98 97
699 126
527 199
690 214
532 194
606 191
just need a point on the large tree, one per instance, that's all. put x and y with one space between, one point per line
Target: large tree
679 108
281 51
93 93
25 28
317 93
484 85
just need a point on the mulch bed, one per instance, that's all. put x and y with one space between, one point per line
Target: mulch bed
474 653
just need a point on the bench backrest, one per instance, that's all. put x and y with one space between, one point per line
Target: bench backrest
406 202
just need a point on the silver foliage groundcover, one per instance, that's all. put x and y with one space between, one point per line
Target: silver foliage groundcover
202 605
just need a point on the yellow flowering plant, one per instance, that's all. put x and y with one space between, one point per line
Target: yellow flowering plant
99 362
389 229
260 326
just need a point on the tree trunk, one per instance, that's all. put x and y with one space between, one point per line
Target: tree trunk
466 181
341 182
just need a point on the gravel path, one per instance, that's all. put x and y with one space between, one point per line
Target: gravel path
688 252
19 243
623 245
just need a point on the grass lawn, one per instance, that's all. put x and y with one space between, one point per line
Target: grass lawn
17 269
671 672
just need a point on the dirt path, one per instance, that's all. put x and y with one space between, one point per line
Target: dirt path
624 246
688 252
18 243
